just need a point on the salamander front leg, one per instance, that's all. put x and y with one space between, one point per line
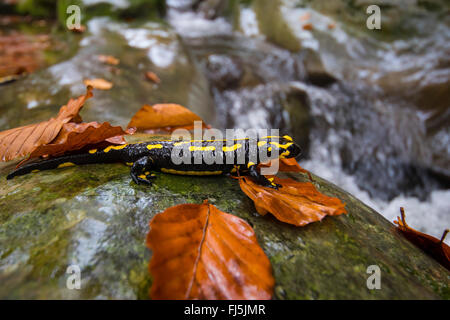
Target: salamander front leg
140 171
261 179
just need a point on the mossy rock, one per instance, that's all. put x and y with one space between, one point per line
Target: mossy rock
95 217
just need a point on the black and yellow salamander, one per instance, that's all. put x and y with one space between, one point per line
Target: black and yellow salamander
185 157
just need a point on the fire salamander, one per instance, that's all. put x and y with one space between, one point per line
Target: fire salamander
195 157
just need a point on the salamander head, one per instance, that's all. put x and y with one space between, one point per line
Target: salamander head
284 146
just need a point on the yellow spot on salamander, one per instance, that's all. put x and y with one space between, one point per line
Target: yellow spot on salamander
261 143
147 172
66 164
270 179
93 151
142 176
288 138
129 163
232 148
191 173
115 148
154 146
35 170
208 148
250 164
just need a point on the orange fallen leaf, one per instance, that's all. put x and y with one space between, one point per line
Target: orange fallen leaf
75 136
288 165
307 26
164 117
152 77
108 59
80 29
297 203
438 249
20 141
331 25
100 84
200 252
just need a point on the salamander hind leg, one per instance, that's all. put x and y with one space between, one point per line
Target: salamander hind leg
140 171
261 179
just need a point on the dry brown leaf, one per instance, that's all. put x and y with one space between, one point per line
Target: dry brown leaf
286 165
307 26
200 252
164 117
297 203
108 59
152 77
80 29
100 84
438 249
305 17
75 136
21 141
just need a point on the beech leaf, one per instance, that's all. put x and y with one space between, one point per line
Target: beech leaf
108 59
164 117
297 203
286 165
200 252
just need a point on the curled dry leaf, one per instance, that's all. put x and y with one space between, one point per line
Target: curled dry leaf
297 203
75 136
200 252
100 84
164 117
438 249
108 59
152 77
21 141
305 17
